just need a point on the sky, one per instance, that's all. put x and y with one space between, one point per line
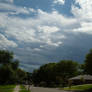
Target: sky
46 31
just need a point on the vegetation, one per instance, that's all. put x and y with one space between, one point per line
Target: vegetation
10 68
7 88
23 89
88 63
48 75
55 74
79 87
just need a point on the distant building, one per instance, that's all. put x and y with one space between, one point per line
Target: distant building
81 79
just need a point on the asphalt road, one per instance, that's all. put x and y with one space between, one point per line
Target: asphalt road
40 89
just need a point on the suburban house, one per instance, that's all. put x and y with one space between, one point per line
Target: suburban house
81 79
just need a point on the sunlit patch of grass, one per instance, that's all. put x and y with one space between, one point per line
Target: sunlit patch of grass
79 87
7 88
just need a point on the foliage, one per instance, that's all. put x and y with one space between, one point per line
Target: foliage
54 74
88 63
10 72
5 57
21 75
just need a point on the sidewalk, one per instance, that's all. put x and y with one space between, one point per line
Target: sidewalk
17 88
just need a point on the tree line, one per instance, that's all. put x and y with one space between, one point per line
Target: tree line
10 73
57 74
48 75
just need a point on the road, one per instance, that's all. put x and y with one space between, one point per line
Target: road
40 89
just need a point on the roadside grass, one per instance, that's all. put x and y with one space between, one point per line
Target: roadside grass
79 87
23 89
7 88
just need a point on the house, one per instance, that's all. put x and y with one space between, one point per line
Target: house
81 79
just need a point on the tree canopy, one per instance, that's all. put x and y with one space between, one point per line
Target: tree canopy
55 73
88 63
9 69
5 56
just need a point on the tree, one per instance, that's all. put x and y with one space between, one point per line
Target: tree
53 74
88 63
7 74
45 75
66 69
21 75
15 64
5 56
10 72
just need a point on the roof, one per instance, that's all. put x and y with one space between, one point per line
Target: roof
85 77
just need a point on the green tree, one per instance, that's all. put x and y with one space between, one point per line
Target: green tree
15 64
5 56
7 74
9 69
45 75
53 74
21 75
88 63
66 69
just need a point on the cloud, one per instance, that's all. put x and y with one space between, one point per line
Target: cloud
7 1
12 9
36 49
41 35
11 1
61 2
48 29
4 42
45 28
84 15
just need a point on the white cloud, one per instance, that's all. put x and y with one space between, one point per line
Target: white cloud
55 18
84 12
36 49
48 29
56 44
83 15
12 9
4 42
45 28
61 2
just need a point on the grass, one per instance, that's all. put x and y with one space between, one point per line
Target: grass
79 87
23 89
7 88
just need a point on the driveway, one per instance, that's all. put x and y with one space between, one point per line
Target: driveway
40 89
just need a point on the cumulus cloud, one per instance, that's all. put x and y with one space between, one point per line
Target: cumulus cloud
44 31
45 28
84 15
12 9
61 2
4 42
48 29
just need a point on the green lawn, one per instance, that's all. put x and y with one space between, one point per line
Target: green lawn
7 88
79 87
23 89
